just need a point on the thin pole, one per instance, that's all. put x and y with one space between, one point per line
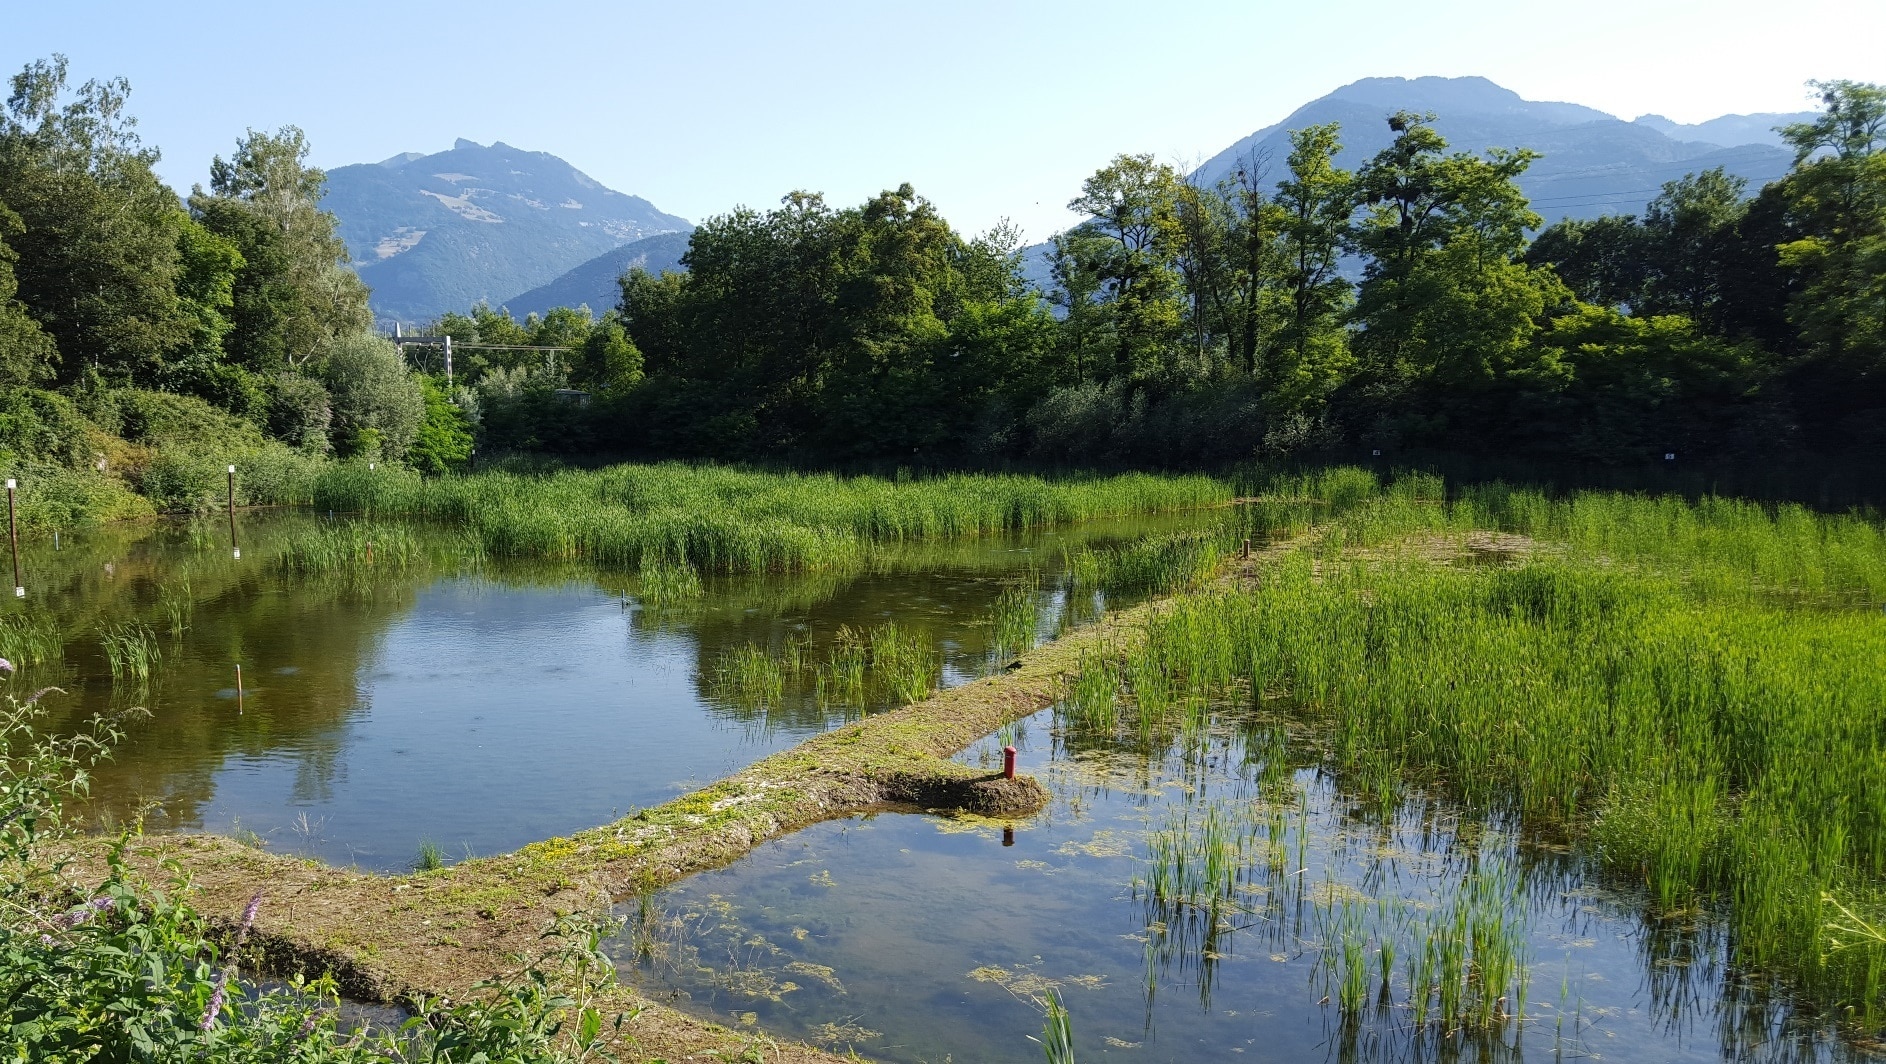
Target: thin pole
13 534
235 549
448 363
238 689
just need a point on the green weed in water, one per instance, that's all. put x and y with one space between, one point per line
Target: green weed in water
667 583
431 857
352 548
131 650
30 640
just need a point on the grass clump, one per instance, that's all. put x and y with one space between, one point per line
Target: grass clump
1151 565
668 583
30 640
350 547
130 649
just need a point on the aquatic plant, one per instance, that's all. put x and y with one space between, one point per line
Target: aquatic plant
1692 689
748 676
1015 618
30 640
667 583
431 857
178 605
1057 1029
1153 564
352 547
131 650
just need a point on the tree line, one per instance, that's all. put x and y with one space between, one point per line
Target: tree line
1294 307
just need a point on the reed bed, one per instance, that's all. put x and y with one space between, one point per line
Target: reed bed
1684 688
721 519
352 547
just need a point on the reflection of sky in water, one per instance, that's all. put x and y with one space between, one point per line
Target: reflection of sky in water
914 938
464 706
481 712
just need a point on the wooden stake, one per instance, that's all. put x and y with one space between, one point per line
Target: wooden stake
238 690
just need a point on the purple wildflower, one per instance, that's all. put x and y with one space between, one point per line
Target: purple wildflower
248 917
5 665
307 1026
215 1006
70 919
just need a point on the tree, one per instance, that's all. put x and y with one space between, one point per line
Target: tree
1447 311
1132 202
1604 261
378 405
444 439
1316 202
296 297
1688 230
608 361
27 354
1078 264
98 244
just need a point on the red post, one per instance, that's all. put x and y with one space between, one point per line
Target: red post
1008 762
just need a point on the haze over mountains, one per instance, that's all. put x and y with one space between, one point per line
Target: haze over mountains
528 231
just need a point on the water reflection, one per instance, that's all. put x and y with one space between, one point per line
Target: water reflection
912 937
478 703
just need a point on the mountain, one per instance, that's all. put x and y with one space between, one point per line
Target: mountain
1592 163
1730 130
431 233
593 284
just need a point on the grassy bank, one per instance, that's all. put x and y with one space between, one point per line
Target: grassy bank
1690 693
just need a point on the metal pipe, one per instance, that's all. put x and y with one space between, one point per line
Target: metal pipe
13 535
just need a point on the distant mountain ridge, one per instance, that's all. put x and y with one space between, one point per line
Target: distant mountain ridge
1592 163
593 284
431 233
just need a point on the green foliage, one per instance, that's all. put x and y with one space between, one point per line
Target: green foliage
377 402
293 299
98 249
125 970
825 330
444 440
27 354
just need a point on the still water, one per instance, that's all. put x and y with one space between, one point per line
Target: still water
921 938
473 703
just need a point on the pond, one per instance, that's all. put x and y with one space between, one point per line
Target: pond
920 938
476 704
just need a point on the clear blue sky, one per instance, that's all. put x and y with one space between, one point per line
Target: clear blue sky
990 109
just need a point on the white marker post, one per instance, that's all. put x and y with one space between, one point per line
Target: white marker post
13 536
235 549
